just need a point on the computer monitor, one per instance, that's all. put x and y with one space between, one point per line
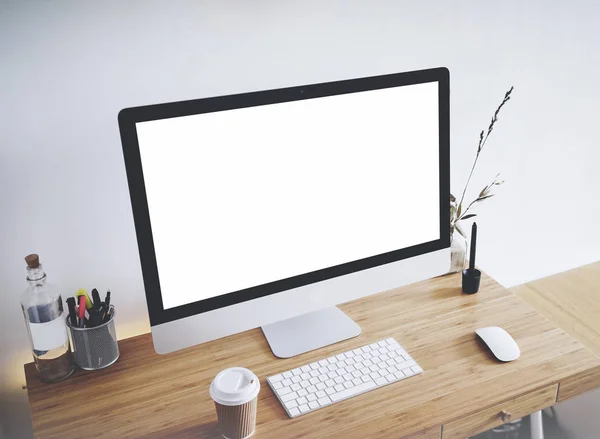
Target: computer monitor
269 208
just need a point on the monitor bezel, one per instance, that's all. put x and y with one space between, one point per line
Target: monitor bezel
129 117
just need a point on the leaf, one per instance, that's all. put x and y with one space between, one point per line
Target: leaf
471 215
498 183
459 229
459 210
483 198
483 191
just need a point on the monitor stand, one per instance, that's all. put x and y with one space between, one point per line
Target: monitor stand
308 332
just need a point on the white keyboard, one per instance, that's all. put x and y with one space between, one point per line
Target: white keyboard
319 384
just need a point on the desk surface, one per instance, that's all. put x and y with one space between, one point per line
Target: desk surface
150 395
571 300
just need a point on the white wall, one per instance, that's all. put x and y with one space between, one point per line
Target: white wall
67 68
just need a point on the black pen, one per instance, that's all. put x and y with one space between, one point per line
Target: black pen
72 313
107 300
94 314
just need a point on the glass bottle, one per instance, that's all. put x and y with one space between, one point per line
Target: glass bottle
46 325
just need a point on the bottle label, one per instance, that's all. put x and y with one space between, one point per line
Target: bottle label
49 335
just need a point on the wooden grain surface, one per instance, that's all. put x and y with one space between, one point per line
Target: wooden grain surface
490 417
572 301
154 396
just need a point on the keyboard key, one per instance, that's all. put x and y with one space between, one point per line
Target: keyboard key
339 387
392 369
305 384
321 386
302 392
287 382
314 380
408 371
332 360
348 377
339 380
330 390
340 357
374 346
391 378
311 397
324 401
367 355
313 404
404 364
390 340
348 384
383 365
289 396
353 391
314 365
365 371
283 391
417 369
341 371
305 376
350 369
332 375
384 357
374 368
367 363
357 381
291 404
294 412
366 349
276 378
390 362
287 374
323 378
323 370
311 389
356 374
302 400
296 371
314 373
277 385
350 360
332 367
296 379
380 381
320 394
305 368
366 378
382 343
359 357
296 387
392 354
357 351
375 375
350 354
304 408
323 363
329 383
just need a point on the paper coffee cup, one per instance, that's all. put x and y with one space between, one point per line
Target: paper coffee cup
235 393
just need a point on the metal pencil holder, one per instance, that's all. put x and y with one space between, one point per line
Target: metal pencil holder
95 348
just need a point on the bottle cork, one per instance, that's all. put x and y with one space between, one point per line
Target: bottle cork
33 260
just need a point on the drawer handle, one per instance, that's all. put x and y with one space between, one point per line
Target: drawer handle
505 416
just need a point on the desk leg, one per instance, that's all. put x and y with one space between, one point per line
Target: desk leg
537 427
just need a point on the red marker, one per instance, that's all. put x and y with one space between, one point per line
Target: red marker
81 311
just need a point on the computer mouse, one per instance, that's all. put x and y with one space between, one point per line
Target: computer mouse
502 345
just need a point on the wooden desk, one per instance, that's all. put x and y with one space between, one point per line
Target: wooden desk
571 300
462 389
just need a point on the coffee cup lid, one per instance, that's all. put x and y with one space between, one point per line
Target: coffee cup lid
234 386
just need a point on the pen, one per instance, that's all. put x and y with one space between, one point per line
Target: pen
81 311
72 314
83 293
473 246
95 311
107 300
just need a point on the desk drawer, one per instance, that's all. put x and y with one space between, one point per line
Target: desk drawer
493 416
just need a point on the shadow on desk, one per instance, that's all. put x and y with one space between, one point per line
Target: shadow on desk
205 431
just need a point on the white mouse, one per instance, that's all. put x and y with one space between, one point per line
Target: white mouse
502 345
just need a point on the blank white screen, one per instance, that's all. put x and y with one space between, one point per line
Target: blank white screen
244 197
